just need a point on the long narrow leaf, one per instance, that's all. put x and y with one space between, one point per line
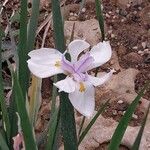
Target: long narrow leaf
2 99
22 48
84 133
25 123
3 144
66 109
122 126
100 18
52 129
32 26
139 136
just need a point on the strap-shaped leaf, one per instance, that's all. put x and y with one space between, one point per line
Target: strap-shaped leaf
139 136
3 144
52 129
122 126
66 109
21 107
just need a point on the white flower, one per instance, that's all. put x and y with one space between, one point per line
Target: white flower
46 62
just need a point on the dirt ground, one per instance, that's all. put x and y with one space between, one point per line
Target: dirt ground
127 26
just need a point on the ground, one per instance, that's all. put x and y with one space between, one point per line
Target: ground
127 27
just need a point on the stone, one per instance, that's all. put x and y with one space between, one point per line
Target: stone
133 58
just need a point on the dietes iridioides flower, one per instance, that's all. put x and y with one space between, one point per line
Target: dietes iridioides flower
46 62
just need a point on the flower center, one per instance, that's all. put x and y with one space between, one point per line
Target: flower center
82 87
58 64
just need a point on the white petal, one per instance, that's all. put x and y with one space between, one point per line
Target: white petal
76 47
44 53
84 101
101 53
67 85
96 81
43 71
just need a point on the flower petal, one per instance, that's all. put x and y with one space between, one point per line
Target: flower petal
42 70
44 53
67 85
96 81
76 47
101 53
83 98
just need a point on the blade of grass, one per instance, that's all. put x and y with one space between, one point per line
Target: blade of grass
100 18
122 126
67 119
83 134
3 144
22 48
52 129
139 136
5 115
25 122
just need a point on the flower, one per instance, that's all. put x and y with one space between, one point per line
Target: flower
46 62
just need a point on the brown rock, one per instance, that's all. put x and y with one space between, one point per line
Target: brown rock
133 58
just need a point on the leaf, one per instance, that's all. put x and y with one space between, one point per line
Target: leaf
3 144
52 129
84 133
35 99
22 49
122 126
21 107
137 141
66 109
100 18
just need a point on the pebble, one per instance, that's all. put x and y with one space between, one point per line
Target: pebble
112 36
71 14
114 112
109 31
135 47
141 53
107 15
83 10
134 116
120 102
144 44
120 112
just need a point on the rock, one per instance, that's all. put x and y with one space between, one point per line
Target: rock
132 58
145 15
88 30
121 50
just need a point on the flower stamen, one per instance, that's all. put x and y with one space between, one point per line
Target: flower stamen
58 64
82 87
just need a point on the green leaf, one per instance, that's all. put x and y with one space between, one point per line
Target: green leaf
100 18
84 133
122 126
22 49
21 107
3 144
139 136
52 129
32 26
66 109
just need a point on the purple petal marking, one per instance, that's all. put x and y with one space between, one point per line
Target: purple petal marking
80 77
67 66
84 63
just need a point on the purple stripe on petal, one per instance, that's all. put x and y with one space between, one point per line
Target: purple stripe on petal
67 66
84 63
